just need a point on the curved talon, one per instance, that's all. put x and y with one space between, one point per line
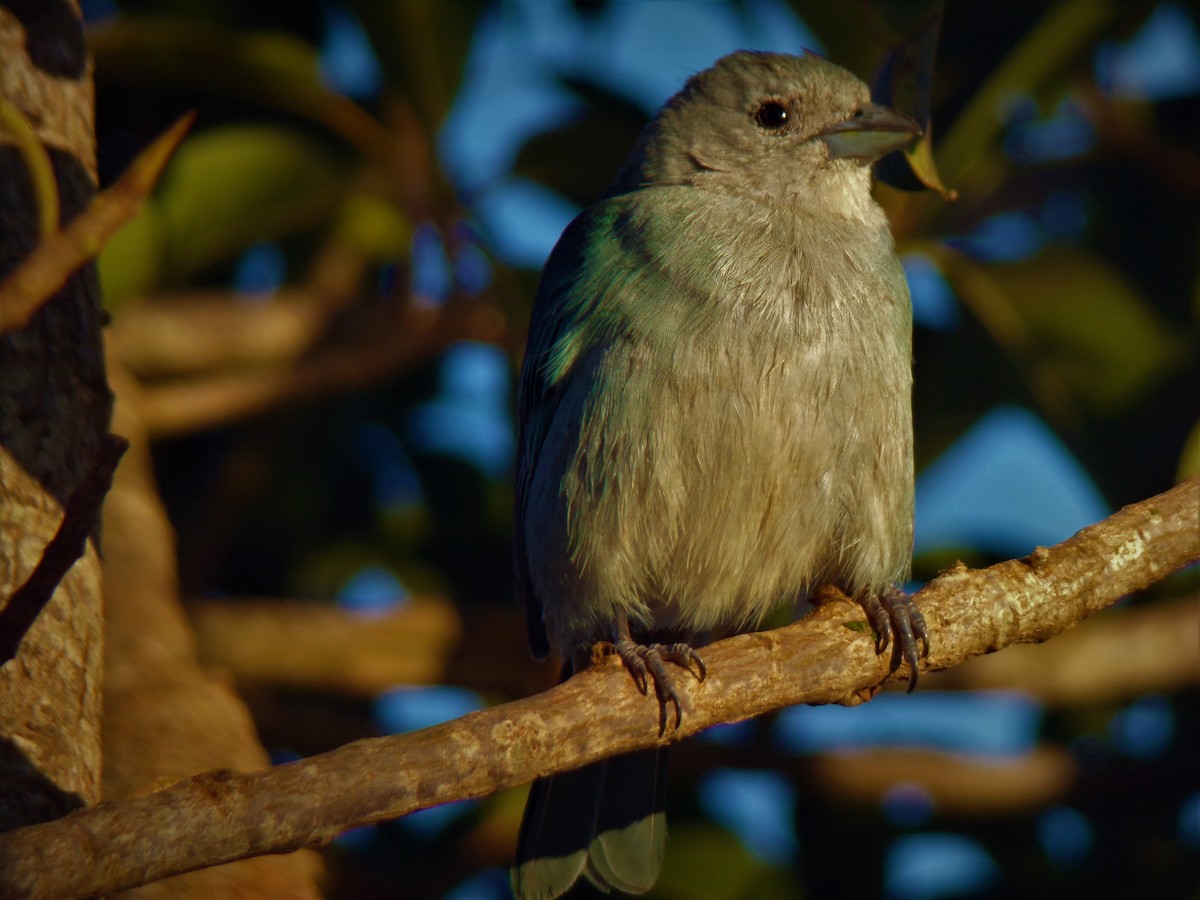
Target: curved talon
879 620
635 663
646 661
893 612
664 685
683 655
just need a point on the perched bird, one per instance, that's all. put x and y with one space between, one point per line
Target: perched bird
715 417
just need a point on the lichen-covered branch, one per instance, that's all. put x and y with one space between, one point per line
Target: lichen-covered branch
826 658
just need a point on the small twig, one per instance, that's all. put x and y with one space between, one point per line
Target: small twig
80 516
53 261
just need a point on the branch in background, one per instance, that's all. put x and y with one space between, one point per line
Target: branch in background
321 647
80 517
958 785
974 786
49 266
201 332
191 333
1124 653
318 648
387 340
825 658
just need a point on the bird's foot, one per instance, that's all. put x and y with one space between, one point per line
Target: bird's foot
649 661
892 613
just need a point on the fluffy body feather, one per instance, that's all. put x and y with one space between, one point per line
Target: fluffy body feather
715 400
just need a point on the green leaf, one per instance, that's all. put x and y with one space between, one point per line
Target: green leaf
232 186
1075 320
131 260
920 159
378 228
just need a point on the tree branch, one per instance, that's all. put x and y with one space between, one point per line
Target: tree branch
319 648
1095 665
825 658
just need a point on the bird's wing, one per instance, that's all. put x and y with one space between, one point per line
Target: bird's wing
564 325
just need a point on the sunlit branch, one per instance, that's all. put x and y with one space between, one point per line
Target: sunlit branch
826 658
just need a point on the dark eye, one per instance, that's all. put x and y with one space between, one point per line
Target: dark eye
772 115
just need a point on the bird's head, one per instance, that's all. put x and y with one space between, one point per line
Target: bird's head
795 128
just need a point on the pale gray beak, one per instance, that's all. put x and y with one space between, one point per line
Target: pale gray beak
870 133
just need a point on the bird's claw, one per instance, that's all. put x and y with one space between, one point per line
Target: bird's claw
648 661
892 612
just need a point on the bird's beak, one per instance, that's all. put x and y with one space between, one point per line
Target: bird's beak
870 133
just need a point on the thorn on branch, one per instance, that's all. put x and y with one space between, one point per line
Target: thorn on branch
61 252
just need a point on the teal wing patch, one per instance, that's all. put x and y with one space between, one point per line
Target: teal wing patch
563 326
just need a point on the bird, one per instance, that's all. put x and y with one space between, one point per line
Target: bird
714 419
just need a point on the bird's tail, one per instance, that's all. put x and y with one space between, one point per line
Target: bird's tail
606 821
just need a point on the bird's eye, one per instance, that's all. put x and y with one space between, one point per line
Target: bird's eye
771 115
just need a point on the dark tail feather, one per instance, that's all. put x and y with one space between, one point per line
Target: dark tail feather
631 825
558 825
605 820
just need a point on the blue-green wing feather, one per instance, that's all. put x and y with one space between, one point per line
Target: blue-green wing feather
563 326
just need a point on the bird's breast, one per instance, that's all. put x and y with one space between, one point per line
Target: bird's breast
728 467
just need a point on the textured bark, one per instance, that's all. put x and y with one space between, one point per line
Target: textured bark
80 519
827 657
1148 648
164 717
50 714
54 413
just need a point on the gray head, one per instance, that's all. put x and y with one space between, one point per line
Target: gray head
768 125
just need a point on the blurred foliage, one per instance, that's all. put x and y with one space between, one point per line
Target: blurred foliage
1094 327
273 181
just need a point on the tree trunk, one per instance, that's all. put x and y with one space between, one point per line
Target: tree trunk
55 407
